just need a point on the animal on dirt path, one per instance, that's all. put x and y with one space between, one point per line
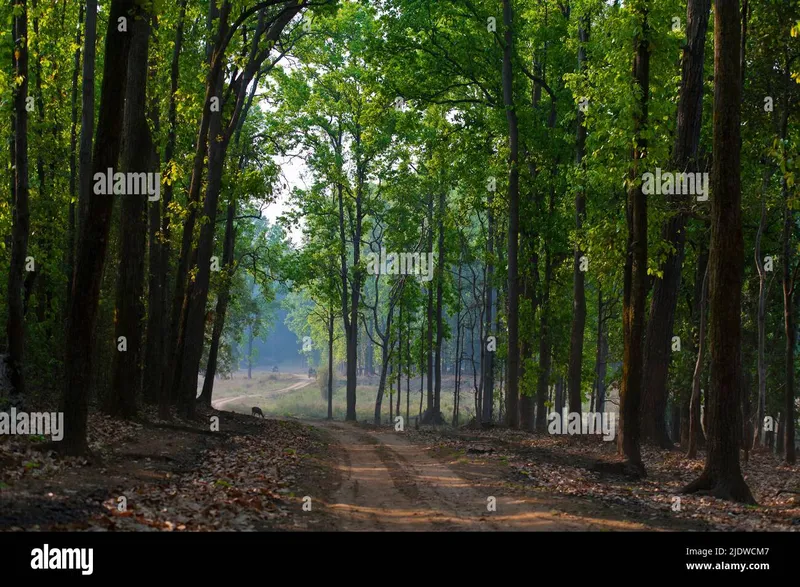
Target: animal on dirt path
257 412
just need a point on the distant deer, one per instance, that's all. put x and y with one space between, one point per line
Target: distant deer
257 412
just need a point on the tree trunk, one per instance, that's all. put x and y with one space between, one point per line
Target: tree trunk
602 353
87 112
788 290
222 306
512 392
154 350
382 382
137 157
437 392
665 291
578 276
722 475
73 164
543 382
399 357
93 241
330 363
197 296
169 152
176 338
369 350
694 417
635 292
408 366
761 318
250 353
487 366
21 223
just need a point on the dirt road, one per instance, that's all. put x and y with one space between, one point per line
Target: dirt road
218 404
390 483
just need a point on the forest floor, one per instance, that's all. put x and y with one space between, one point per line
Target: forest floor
288 474
180 475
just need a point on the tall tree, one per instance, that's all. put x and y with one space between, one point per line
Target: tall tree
578 276
666 289
20 231
722 475
635 292
93 241
137 158
512 392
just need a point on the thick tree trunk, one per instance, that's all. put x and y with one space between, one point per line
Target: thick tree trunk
137 157
21 223
93 241
665 291
722 475
512 393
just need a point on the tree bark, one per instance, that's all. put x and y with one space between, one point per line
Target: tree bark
137 157
87 112
169 153
635 286
512 392
175 340
722 474
665 291
93 241
437 392
21 223
789 286
223 297
487 367
73 164
543 382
